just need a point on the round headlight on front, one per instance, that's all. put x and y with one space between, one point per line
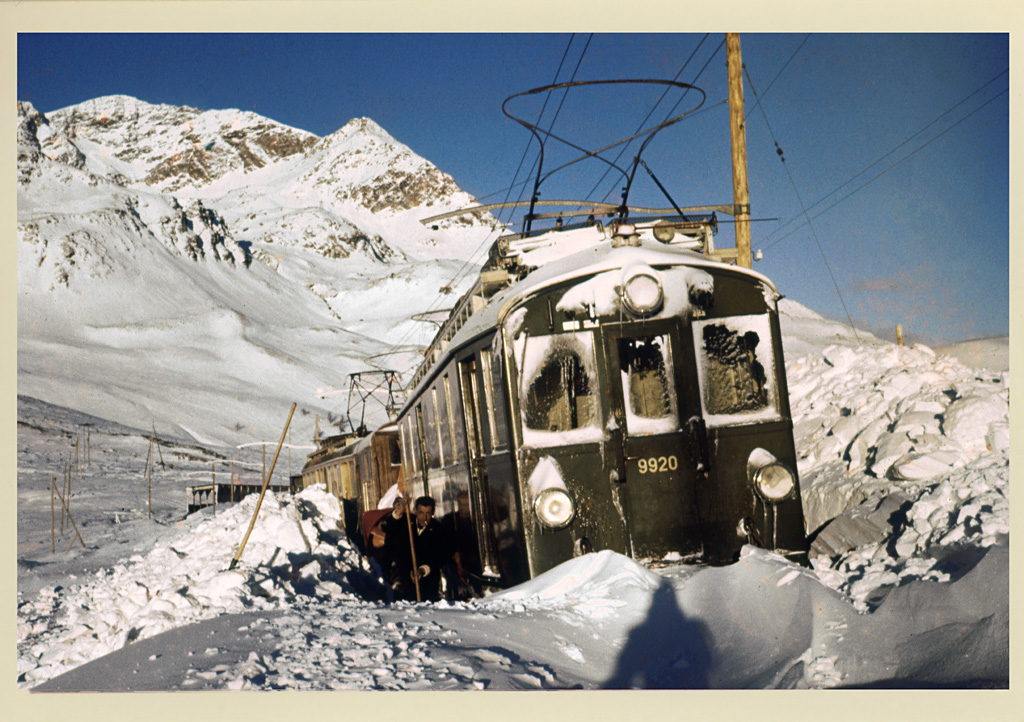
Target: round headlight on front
642 294
774 482
554 508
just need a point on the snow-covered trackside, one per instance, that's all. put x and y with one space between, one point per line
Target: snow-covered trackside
909 587
296 549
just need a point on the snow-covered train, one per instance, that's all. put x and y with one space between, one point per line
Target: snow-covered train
607 383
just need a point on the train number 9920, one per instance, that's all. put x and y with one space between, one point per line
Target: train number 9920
656 464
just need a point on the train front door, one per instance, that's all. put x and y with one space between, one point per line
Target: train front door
656 438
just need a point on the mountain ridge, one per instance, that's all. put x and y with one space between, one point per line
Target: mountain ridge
145 252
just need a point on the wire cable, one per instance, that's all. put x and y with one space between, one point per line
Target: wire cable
488 239
887 155
898 162
796 191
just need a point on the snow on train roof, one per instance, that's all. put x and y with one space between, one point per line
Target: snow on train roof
581 261
586 262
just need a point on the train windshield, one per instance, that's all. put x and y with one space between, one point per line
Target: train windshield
646 368
559 389
737 369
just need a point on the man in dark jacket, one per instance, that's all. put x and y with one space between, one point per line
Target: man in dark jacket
432 551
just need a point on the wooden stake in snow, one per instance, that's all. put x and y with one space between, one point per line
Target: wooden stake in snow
53 515
412 545
67 483
213 478
149 477
157 443
263 491
899 334
64 505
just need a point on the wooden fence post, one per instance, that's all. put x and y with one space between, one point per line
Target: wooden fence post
899 334
65 485
64 505
53 516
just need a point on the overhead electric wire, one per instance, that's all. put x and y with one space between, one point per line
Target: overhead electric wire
487 241
896 148
471 261
640 127
781 71
894 165
796 191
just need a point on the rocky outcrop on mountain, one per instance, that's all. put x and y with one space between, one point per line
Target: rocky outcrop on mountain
368 166
171 148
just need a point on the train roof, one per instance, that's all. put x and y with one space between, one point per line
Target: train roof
558 256
329 452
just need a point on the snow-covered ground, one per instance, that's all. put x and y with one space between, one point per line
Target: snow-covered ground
905 469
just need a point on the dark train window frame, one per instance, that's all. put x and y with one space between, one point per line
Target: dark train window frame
640 424
582 345
492 378
764 354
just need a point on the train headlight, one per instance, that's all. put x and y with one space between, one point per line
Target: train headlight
642 294
774 482
554 508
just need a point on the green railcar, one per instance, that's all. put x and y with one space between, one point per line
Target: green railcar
614 382
630 395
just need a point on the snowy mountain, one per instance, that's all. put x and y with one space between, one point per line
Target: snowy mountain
159 243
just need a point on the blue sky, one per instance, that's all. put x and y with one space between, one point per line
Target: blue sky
897 145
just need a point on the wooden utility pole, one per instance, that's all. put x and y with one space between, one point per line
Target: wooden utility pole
737 126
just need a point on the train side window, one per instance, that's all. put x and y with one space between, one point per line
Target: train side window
736 369
441 424
560 389
414 445
646 368
431 432
394 451
492 381
406 448
422 436
452 413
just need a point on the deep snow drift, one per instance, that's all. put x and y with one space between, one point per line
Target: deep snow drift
905 464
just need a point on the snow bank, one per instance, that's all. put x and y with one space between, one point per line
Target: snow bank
295 549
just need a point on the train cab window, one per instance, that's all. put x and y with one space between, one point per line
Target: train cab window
736 368
559 387
647 387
